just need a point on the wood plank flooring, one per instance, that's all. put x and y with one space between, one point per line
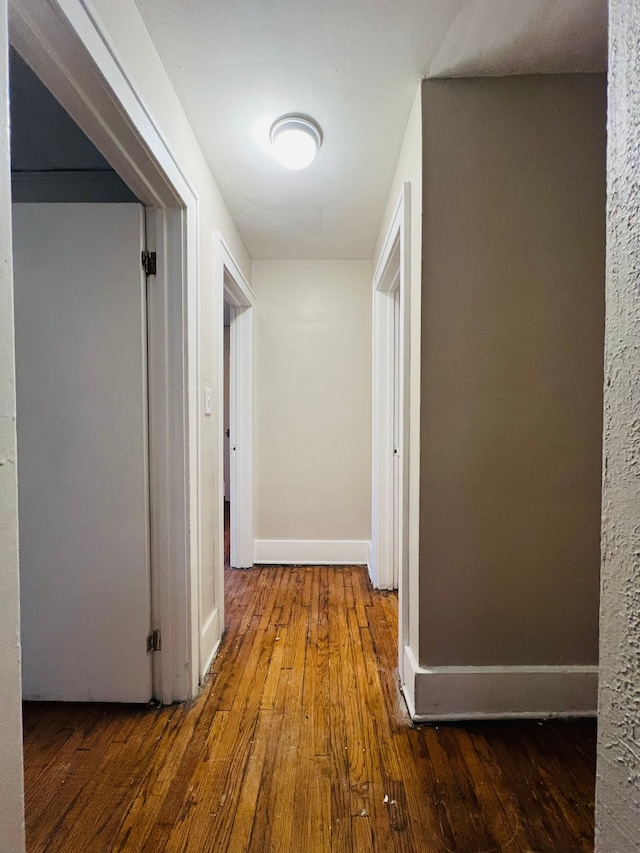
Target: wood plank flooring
299 742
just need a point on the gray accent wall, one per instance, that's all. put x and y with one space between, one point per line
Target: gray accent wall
512 355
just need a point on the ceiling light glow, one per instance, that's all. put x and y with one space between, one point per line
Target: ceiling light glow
295 140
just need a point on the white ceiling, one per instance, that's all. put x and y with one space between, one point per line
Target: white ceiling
353 65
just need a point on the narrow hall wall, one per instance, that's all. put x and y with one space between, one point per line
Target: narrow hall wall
618 774
11 785
312 451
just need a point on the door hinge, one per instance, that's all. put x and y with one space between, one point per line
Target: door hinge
154 642
149 262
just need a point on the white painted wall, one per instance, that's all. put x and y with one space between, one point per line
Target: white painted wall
137 53
312 400
618 785
11 788
409 169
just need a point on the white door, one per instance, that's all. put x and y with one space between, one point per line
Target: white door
226 440
81 350
397 442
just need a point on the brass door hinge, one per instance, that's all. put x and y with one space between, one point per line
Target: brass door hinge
149 263
154 641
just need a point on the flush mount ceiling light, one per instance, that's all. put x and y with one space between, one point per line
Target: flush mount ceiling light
295 140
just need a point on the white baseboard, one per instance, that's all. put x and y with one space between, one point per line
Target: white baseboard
209 641
312 552
498 692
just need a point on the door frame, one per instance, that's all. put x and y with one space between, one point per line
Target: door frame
234 288
71 52
392 274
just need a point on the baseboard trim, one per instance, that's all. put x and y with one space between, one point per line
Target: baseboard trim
312 552
209 641
498 692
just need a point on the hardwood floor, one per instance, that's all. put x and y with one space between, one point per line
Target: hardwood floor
299 742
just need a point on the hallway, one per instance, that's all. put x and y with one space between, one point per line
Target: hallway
300 742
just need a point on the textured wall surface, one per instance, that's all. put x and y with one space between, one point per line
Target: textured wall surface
11 804
618 786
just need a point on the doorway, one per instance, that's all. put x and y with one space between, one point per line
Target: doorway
81 385
69 52
390 470
237 379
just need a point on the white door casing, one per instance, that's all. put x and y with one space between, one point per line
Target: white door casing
390 506
230 285
81 379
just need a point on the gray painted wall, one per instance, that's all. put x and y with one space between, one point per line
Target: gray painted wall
69 187
512 349
51 158
618 784
43 135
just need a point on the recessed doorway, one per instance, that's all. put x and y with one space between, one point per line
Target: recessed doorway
238 301
87 81
390 471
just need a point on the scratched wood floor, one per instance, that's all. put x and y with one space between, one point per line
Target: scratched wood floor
299 742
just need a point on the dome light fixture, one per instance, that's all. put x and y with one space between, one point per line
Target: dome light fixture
295 140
